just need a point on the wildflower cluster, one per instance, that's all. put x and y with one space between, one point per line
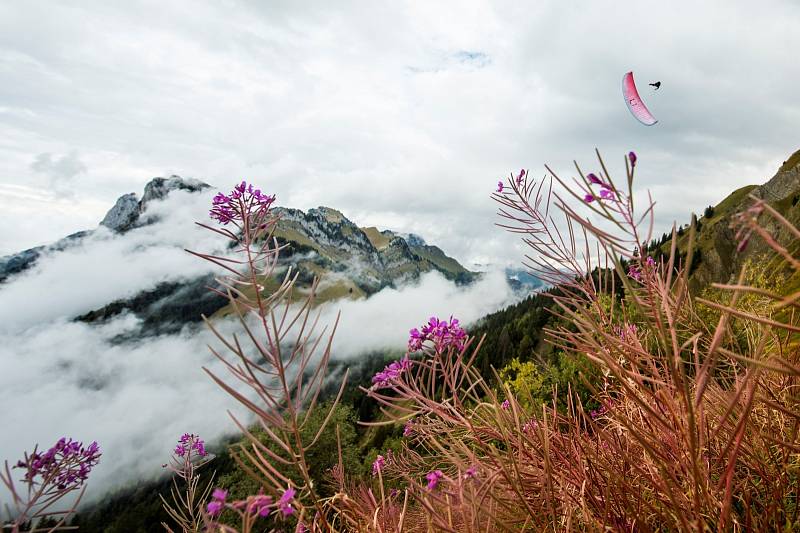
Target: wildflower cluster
441 333
636 272
217 503
607 189
433 479
189 442
258 505
471 472
285 502
626 332
66 464
386 377
378 465
243 200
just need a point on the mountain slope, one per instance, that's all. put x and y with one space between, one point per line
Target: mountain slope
716 259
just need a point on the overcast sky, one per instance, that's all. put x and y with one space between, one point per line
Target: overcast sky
401 115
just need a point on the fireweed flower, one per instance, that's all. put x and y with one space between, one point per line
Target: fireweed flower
650 261
441 333
408 428
189 442
530 425
592 177
597 413
499 186
217 503
285 502
378 465
607 194
505 405
390 373
470 473
433 479
260 505
589 198
520 177
244 199
627 332
66 465
632 157
635 273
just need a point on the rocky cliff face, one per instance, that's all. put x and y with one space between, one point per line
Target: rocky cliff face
371 259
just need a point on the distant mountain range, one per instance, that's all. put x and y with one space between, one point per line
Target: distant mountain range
352 262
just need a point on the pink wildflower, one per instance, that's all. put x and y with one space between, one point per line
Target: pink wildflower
390 373
229 207
260 505
433 478
592 177
285 502
635 273
66 464
530 425
378 465
607 194
441 333
217 503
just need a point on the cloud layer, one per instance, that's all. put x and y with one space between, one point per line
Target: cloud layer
59 377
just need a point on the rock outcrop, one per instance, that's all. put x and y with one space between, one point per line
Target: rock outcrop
124 215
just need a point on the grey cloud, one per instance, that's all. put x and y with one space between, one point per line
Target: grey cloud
59 170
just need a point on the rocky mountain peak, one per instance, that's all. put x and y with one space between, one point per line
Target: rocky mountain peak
125 213
331 215
159 188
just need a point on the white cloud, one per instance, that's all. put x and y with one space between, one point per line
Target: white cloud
64 378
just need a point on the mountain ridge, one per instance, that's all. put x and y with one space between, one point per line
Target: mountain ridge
352 262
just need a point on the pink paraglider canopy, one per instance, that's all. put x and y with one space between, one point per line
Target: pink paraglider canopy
634 101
